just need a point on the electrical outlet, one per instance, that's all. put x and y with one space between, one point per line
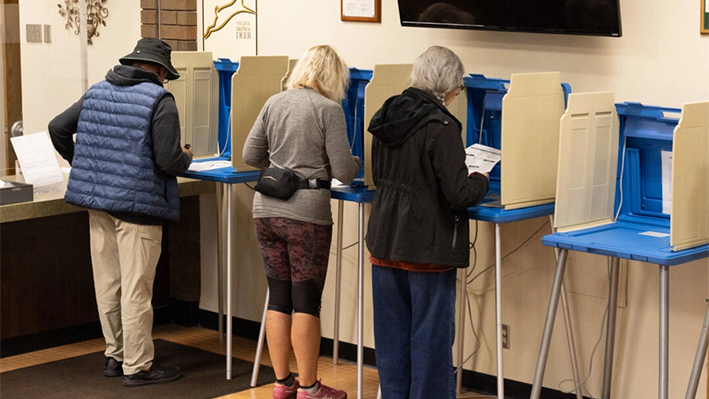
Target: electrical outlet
34 33
505 336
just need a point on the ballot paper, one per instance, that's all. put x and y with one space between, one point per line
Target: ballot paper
38 162
208 165
481 159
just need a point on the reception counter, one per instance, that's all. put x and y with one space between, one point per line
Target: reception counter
52 203
47 294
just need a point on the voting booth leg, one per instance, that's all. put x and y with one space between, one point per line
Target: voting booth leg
360 303
338 281
229 242
571 341
220 258
462 277
664 331
698 360
549 324
610 332
261 337
498 311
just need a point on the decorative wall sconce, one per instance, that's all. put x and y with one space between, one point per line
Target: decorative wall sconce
96 14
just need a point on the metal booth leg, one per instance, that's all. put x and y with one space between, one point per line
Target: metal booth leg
338 280
663 389
571 341
259 345
498 311
360 303
229 243
220 257
698 360
549 324
610 332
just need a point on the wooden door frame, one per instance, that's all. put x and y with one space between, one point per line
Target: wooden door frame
12 75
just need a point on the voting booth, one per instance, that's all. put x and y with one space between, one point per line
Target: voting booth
520 117
661 193
660 204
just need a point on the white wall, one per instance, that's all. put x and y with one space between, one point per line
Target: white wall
661 60
51 72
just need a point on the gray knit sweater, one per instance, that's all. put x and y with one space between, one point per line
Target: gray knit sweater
301 130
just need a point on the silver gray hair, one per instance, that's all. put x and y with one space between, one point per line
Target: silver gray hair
438 71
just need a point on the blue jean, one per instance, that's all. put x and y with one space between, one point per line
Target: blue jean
414 329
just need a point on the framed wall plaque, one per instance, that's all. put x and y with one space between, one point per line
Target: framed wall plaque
704 26
361 10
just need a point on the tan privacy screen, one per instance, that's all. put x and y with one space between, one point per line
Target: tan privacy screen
689 221
588 162
387 81
531 110
257 79
197 97
291 65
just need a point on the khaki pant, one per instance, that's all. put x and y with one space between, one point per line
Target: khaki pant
124 258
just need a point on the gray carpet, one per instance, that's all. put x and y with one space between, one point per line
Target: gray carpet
81 377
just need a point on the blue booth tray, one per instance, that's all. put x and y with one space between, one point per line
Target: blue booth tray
636 241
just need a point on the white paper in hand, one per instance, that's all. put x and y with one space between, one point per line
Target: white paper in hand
481 159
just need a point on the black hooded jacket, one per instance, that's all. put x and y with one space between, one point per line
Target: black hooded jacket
423 188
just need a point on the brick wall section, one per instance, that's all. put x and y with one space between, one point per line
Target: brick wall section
178 22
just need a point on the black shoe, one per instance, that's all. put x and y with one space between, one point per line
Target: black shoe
152 375
113 368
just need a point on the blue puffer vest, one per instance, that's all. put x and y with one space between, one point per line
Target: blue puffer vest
113 169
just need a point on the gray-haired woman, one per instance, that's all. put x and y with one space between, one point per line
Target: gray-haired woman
418 229
302 129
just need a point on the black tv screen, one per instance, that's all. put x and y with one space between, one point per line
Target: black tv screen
574 17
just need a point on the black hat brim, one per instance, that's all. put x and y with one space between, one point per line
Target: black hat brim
172 73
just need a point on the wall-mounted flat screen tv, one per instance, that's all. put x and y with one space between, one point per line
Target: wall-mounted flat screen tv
573 17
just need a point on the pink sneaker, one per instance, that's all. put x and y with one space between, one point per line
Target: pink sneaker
324 392
281 391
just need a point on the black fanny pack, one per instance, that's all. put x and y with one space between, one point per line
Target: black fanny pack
283 183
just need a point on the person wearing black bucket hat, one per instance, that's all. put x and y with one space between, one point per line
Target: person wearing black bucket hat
155 51
124 161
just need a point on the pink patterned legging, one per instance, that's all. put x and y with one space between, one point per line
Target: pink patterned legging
295 255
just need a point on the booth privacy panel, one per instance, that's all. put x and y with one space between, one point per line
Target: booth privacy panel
291 65
689 221
196 95
459 108
588 161
387 81
531 111
257 79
